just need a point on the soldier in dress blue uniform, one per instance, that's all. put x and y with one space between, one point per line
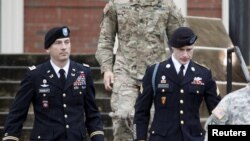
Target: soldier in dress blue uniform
63 102
177 96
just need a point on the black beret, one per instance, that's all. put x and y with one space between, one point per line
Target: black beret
54 34
183 36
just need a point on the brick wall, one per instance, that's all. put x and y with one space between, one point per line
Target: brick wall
205 8
83 17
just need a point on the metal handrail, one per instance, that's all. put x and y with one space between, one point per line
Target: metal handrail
229 66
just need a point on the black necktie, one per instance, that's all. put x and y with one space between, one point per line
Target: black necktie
181 72
62 76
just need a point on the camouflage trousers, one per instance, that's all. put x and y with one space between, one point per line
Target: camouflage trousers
125 92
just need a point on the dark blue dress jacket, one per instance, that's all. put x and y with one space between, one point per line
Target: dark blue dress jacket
176 103
61 113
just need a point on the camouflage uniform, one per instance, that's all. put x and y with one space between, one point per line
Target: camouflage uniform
233 109
142 28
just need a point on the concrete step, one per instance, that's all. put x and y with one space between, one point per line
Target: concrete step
222 86
9 88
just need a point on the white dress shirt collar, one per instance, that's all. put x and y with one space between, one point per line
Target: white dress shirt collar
177 65
56 68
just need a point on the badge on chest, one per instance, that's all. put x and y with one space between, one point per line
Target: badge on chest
163 85
80 81
44 90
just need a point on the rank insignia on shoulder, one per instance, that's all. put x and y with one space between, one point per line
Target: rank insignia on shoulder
203 65
32 67
86 65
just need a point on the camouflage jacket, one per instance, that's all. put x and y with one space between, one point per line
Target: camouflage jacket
142 28
233 109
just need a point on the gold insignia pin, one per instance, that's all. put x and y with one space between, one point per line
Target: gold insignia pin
163 100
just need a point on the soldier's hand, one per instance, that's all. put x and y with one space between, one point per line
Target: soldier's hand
108 80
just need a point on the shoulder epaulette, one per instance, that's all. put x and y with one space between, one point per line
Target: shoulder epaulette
32 67
86 65
202 65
